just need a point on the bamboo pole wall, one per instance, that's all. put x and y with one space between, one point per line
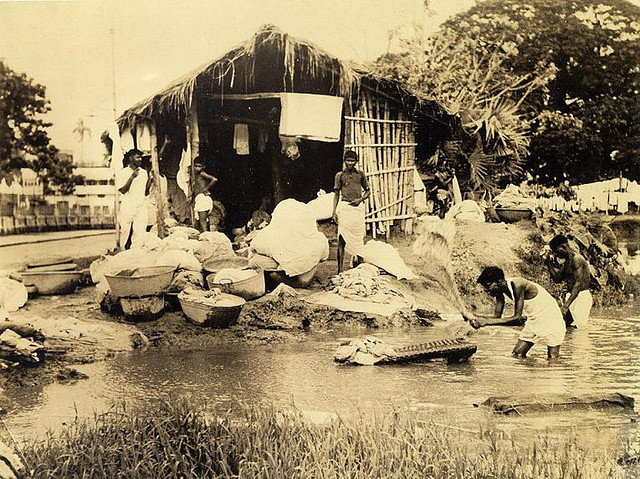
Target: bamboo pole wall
384 140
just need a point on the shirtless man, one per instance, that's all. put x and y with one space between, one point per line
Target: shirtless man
532 304
565 265
209 212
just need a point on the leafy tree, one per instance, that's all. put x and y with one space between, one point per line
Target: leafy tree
469 79
585 122
24 141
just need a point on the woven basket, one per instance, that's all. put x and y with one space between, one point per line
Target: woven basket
211 315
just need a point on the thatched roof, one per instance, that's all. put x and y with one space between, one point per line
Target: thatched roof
234 72
283 63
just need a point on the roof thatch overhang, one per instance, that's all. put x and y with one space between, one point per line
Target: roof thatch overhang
272 61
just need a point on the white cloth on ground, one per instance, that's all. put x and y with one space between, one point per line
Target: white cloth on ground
351 226
386 257
580 308
545 323
314 117
203 203
292 238
467 210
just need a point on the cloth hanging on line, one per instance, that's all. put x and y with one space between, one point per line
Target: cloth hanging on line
117 155
182 177
126 140
143 137
263 138
314 117
241 138
290 147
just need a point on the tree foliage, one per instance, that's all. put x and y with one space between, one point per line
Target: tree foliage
24 141
468 78
585 122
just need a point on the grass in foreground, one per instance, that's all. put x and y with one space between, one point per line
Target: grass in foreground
176 441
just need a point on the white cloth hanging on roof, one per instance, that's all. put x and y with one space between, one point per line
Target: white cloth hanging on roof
182 177
126 140
241 138
263 139
117 155
314 117
143 137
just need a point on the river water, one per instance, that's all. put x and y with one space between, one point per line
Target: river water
600 360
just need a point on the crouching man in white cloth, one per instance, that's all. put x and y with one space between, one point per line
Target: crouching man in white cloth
565 265
543 322
351 190
132 182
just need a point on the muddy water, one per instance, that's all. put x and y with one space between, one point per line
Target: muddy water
602 359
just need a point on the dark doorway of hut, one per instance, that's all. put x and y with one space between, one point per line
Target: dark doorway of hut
265 176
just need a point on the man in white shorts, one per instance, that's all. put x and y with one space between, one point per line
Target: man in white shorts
532 305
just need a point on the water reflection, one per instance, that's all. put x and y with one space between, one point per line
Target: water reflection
601 359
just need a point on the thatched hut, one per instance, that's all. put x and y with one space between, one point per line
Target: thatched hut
248 112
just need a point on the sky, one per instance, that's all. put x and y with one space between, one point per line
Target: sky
68 47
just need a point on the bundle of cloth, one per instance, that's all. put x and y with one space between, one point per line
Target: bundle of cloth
179 250
365 351
514 197
291 242
363 283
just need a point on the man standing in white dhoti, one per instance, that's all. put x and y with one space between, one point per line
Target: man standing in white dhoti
351 191
132 183
565 265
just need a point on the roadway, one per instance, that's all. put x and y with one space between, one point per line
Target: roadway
18 250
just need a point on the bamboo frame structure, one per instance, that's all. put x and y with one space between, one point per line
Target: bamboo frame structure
383 138
155 171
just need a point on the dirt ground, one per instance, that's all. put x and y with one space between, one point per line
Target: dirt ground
78 331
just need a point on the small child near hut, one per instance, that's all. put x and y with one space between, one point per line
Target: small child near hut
209 213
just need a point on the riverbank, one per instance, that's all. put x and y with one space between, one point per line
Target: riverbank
78 331
178 440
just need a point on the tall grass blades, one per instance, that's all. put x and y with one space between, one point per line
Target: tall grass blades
176 441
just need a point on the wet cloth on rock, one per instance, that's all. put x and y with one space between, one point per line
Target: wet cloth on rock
364 351
351 227
545 323
580 308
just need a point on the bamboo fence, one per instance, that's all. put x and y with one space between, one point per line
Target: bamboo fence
384 140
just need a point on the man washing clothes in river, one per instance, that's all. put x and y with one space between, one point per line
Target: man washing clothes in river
532 304
565 265
351 190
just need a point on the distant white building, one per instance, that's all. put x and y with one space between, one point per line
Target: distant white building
28 184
